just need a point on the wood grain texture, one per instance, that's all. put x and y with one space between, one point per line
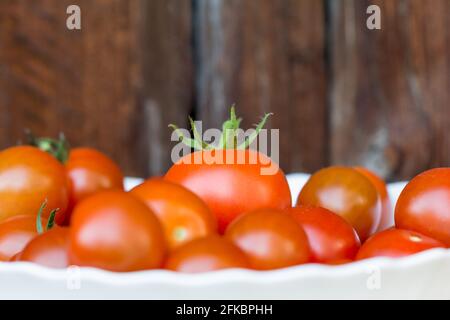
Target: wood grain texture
389 88
84 83
265 56
168 76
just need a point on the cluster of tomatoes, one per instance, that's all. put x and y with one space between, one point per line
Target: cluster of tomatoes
203 217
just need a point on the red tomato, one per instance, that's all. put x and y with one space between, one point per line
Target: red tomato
28 176
424 205
207 254
15 233
113 230
91 171
386 205
230 189
348 193
48 249
396 243
183 215
270 238
331 238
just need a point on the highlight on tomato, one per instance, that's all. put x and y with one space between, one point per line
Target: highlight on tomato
396 243
332 239
270 238
424 205
28 176
206 254
184 216
115 231
48 249
15 233
235 183
349 194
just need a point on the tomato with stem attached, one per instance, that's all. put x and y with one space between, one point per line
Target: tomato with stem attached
396 243
28 176
229 178
115 231
88 170
331 238
424 205
271 239
348 193
206 254
183 214
18 231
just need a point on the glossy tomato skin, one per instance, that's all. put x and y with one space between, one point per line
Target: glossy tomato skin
348 193
115 231
183 214
15 233
387 212
396 243
270 238
28 176
91 171
48 249
332 239
206 254
424 205
230 189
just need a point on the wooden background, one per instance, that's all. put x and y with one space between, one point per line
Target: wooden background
341 94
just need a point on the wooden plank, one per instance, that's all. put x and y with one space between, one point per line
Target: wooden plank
168 76
113 85
389 87
266 56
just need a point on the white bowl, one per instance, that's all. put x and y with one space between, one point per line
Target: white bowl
422 276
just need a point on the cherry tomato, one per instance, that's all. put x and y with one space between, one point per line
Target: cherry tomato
387 213
424 205
396 243
115 231
28 176
270 238
230 189
210 253
331 238
48 249
183 215
91 171
348 193
15 233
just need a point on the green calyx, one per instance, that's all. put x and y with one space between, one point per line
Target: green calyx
58 148
51 218
229 138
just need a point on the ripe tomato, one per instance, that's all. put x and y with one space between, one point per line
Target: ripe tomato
386 205
15 233
113 230
348 193
28 176
230 189
91 171
48 249
331 238
206 254
424 205
270 238
183 215
396 243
